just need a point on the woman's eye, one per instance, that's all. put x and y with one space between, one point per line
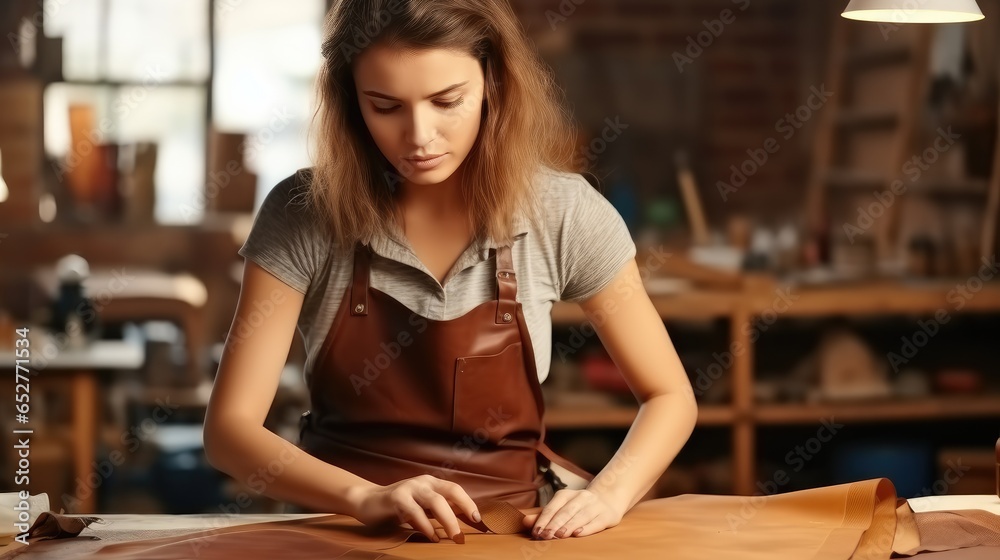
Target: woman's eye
442 104
450 104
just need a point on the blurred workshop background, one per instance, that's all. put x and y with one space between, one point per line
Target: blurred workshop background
814 202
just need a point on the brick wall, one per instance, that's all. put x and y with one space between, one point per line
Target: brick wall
755 62
20 122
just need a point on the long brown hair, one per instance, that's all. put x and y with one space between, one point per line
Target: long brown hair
525 125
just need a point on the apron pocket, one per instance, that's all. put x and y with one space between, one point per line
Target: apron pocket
492 396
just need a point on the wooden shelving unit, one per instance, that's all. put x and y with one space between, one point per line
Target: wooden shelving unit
566 417
741 307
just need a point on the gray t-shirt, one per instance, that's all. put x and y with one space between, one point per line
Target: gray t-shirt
581 245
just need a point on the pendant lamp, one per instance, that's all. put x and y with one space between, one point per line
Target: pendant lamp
4 193
914 11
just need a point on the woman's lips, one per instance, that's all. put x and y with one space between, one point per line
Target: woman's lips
429 163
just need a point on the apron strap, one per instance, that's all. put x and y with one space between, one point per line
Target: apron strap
563 462
359 283
506 286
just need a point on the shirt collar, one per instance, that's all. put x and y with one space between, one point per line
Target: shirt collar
395 246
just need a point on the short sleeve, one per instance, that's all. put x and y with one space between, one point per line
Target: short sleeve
284 239
595 244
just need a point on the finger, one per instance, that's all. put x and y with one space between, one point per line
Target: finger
595 526
564 514
458 496
582 517
414 515
550 509
442 511
529 520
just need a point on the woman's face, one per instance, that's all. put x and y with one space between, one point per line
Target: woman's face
419 104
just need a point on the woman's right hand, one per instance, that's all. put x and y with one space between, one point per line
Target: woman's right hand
408 501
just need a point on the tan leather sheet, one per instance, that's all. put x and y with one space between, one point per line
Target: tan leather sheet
852 521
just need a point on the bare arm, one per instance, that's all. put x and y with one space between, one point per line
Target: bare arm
634 335
236 441
238 444
636 339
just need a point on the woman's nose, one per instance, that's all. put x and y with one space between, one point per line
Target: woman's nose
422 127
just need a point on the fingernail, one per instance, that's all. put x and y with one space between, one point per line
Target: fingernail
476 517
459 538
577 532
436 538
561 532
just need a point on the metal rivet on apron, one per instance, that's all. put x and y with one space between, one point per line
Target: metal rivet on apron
359 308
504 275
506 317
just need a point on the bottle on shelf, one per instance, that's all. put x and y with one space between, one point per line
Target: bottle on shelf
998 467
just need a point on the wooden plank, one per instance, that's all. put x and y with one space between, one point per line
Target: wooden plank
577 417
895 410
693 305
886 298
742 371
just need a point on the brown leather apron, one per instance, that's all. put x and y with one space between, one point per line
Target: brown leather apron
395 395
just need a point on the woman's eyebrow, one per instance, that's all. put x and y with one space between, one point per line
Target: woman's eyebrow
435 94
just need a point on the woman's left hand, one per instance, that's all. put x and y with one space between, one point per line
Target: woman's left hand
573 513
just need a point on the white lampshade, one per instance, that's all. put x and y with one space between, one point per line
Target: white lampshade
914 11
4 193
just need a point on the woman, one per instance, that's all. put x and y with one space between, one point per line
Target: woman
419 257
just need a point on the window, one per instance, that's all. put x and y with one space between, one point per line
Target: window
144 69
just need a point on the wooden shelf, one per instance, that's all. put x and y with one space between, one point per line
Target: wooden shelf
690 305
876 297
759 296
887 54
883 298
566 417
938 408
867 118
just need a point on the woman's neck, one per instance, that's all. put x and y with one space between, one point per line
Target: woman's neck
442 201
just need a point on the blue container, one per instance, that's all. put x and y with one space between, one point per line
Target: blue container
909 465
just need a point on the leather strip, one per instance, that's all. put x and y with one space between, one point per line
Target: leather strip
843 522
506 286
935 531
359 283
